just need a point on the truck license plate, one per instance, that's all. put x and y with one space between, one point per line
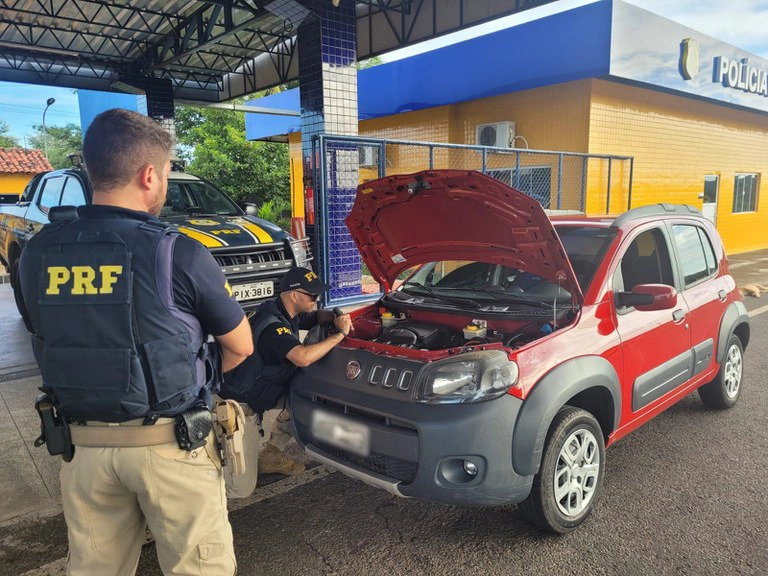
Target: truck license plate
253 290
341 432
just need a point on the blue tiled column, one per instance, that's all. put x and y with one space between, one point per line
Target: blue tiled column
328 93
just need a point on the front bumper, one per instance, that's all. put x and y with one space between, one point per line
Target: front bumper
416 450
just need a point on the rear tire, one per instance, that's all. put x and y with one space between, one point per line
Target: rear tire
570 478
724 391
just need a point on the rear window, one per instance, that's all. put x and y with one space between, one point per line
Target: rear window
585 246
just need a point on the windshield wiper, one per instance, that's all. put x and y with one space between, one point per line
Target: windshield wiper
507 297
431 292
200 213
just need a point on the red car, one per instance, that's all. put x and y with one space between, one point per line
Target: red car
518 347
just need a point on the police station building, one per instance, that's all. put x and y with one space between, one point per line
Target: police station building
601 78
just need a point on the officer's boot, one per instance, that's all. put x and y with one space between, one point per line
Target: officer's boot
273 461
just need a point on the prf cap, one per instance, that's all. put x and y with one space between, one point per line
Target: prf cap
303 279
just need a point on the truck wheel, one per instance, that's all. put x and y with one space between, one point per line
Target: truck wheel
725 389
570 478
16 286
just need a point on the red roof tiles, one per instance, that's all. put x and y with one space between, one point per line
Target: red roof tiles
22 160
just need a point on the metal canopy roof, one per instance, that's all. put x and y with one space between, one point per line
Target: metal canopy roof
211 50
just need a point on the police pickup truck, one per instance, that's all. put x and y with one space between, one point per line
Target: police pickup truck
253 253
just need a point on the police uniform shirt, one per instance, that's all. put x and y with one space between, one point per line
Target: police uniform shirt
279 338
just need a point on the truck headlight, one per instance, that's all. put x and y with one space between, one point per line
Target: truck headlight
301 252
473 377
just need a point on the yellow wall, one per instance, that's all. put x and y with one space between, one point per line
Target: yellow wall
676 141
14 183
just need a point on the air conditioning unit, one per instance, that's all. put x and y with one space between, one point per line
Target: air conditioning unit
496 134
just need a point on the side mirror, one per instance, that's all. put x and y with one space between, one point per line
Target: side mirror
61 213
649 297
251 209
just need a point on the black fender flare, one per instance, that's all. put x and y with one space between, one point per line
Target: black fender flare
735 315
548 396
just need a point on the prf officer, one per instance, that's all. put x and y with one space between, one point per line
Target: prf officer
121 306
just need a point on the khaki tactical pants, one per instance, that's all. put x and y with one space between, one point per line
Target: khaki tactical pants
281 432
243 485
109 493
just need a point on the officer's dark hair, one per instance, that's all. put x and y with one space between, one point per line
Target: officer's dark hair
118 143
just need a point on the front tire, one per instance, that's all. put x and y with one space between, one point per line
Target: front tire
16 287
570 478
724 391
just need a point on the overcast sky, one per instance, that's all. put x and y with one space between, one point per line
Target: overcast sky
743 23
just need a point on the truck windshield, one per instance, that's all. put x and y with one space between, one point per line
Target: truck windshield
187 197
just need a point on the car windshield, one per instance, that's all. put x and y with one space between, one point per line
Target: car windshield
585 246
190 197
475 281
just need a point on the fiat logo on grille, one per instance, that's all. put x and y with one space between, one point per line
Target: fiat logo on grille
353 369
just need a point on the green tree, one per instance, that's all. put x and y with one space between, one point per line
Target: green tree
62 140
6 140
213 143
370 63
278 211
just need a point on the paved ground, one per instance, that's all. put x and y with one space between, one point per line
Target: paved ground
686 494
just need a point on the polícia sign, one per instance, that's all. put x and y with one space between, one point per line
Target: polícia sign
740 75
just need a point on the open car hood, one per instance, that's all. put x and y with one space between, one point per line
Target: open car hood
403 221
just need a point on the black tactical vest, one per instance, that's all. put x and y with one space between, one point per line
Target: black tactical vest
110 342
254 382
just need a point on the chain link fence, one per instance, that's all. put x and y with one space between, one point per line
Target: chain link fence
595 184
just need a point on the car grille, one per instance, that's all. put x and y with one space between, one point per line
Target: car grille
378 463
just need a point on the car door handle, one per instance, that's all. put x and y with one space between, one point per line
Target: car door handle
678 315
722 295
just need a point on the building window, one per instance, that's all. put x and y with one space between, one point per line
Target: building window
745 193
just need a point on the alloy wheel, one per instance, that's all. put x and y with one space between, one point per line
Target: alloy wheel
733 371
576 472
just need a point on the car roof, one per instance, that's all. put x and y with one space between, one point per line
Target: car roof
634 216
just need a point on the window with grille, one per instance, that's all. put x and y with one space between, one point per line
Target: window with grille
536 181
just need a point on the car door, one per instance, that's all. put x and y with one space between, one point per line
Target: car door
656 344
702 288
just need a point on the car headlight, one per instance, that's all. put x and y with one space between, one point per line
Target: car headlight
301 252
473 377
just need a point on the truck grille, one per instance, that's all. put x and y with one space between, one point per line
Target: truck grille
253 259
378 463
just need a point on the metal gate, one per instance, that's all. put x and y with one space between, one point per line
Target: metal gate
591 183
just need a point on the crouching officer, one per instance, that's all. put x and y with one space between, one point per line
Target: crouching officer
261 382
121 306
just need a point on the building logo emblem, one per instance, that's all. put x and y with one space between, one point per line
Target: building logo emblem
690 50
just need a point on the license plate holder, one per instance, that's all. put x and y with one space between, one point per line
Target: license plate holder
341 432
253 290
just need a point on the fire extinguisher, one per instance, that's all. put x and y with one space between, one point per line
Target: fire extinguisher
309 204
